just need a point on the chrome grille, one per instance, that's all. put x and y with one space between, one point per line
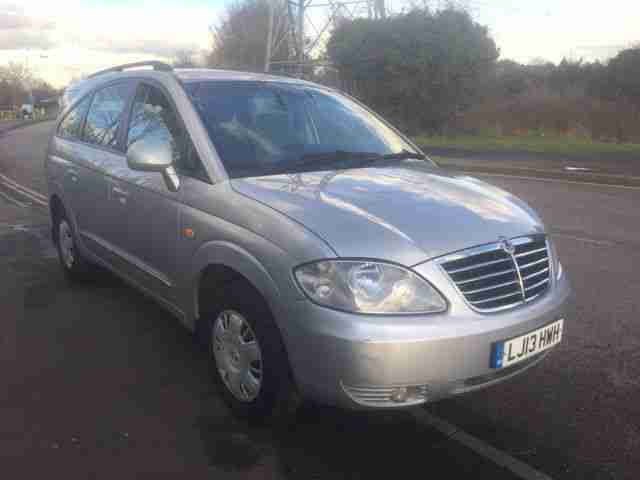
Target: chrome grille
501 275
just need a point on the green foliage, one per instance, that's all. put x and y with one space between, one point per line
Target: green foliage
616 80
17 82
600 101
532 143
184 59
239 41
419 68
624 75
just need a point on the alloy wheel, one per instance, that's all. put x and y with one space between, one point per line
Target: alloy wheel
238 355
65 240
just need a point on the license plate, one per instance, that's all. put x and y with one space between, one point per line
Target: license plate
514 350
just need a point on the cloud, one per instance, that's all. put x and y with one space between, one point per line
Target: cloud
114 29
599 51
125 30
20 31
68 38
148 44
14 20
23 39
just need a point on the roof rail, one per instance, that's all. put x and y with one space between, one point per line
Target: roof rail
161 66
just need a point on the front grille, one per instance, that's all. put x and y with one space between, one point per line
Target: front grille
493 277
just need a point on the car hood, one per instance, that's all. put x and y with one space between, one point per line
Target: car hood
407 212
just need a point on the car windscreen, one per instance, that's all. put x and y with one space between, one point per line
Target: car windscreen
268 128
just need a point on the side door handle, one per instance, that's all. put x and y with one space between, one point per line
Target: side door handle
120 194
73 174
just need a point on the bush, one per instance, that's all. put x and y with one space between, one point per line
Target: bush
419 69
552 114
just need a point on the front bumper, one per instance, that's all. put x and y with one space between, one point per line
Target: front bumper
360 361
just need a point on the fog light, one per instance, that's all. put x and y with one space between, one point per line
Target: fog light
400 395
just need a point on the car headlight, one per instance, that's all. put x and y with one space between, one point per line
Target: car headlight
368 287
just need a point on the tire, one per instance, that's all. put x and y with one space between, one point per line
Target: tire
250 327
75 267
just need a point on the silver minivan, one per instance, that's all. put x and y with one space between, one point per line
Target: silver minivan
312 246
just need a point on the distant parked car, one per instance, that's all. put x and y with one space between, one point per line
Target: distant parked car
26 111
313 246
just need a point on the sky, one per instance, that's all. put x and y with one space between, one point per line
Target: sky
64 39
553 29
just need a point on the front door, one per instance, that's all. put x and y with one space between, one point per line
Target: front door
145 213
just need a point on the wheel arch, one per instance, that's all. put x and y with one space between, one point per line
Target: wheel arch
56 210
220 263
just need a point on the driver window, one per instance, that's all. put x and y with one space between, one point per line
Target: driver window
153 116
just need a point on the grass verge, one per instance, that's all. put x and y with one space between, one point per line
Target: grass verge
532 144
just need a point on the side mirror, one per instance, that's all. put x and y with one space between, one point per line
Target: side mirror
154 154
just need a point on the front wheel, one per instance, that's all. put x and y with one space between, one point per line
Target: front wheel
238 355
249 358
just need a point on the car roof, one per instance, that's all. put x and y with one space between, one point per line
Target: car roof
188 75
185 75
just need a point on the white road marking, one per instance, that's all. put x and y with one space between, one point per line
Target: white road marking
12 200
32 195
22 187
604 243
549 180
578 169
27 195
503 459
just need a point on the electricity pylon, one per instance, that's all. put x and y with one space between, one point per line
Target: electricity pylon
297 19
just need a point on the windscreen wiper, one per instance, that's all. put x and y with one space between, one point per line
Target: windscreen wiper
336 156
404 155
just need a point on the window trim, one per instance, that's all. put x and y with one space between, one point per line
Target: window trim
119 146
185 131
71 108
90 94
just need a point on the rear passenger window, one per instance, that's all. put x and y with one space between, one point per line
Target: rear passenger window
105 114
71 126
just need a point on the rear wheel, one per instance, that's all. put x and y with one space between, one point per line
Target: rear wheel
73 264
248 356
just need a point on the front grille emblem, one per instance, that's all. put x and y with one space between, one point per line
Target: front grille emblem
507 246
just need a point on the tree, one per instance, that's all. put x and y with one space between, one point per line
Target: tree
184 59
509 79
16 81
239 41
420 68
624 75
42 90
18 73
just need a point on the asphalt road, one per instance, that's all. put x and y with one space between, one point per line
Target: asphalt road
101 382
614 163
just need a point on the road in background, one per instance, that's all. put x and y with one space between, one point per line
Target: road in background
103 379
614 163
22 155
